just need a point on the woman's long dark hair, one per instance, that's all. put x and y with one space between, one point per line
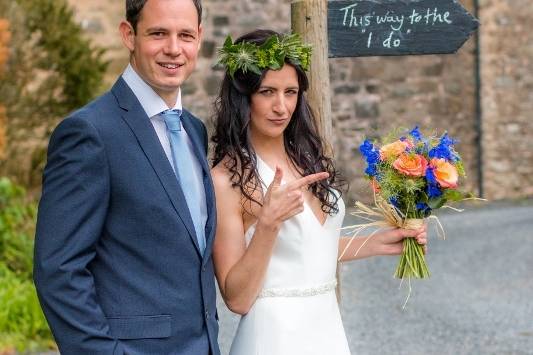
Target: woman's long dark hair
302 141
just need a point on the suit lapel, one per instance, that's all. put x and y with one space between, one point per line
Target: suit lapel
195 137
139 123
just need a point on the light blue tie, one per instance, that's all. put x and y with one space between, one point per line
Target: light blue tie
182 157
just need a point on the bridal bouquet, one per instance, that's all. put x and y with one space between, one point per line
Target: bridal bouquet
411 175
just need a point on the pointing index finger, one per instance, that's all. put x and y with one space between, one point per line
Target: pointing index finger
309 179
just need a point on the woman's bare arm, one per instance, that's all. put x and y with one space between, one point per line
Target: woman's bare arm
240 270
387 242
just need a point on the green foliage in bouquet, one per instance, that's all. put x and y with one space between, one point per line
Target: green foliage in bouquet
22 323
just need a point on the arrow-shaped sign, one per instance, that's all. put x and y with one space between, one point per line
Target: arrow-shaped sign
359 28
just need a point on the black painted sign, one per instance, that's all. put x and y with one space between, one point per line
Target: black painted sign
359 28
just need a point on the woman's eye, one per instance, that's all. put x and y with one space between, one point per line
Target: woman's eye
292 92
266 92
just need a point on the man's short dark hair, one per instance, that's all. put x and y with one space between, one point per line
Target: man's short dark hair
134 8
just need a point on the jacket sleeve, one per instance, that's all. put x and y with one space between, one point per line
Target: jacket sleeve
71 215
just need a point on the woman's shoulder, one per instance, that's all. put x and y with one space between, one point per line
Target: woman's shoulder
220 173
226 193
226 169
223 175
227 179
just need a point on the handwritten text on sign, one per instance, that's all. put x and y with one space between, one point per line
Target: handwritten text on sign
371 27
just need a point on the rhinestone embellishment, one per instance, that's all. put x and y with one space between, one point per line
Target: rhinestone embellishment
298 292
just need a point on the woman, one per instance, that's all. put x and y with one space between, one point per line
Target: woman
279 205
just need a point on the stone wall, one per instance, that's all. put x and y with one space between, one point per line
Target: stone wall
507 96
372 95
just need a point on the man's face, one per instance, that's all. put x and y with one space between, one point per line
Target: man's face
165 48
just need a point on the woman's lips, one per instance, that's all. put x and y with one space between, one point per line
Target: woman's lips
278 121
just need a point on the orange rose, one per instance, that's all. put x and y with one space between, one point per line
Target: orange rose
393 150
445 173
411 164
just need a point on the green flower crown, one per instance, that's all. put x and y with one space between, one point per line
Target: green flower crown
271 54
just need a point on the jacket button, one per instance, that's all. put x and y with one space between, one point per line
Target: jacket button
206 314
203 268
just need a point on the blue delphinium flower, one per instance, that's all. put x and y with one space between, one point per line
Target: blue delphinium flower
444 149
371 170
418 139
433 189
369 151
415 133
423 207
394 201
371 155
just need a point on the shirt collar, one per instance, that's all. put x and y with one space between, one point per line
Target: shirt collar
150 101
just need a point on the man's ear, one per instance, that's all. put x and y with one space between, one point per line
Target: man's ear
127 34
200 36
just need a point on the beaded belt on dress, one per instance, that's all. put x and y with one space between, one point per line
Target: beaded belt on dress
298 291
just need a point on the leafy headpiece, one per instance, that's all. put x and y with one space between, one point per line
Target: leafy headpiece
272 54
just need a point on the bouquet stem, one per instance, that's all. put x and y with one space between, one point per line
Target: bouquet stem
412 261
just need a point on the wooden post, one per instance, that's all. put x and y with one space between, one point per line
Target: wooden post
310 20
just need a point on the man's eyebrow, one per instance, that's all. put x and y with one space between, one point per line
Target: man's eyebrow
156 29
190 31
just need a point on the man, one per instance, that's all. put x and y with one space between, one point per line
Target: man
126 219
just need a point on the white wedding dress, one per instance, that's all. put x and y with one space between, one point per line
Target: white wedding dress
296 312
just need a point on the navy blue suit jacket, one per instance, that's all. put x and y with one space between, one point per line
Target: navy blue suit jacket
117 265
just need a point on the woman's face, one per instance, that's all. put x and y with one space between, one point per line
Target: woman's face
274 102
